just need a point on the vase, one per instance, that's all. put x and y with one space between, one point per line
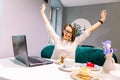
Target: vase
108 64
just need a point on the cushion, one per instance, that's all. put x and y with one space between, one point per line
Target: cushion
82 54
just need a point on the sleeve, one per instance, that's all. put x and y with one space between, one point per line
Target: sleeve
51 32
82 37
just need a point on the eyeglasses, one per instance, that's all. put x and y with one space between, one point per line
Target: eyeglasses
68 32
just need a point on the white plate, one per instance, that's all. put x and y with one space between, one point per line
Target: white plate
67 69
75 77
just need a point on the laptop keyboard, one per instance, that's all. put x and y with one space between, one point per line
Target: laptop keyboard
34 60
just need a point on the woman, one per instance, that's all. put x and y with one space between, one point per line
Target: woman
68 43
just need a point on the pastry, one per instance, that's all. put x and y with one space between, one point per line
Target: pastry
84 73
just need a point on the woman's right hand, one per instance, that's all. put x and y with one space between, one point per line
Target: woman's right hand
42 7
42 11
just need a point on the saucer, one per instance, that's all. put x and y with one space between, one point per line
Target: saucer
69 69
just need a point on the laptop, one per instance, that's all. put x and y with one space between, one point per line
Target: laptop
21 52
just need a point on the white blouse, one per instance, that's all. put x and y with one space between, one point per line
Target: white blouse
63 46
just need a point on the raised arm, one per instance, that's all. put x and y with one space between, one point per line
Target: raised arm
42 11
49 28
101 21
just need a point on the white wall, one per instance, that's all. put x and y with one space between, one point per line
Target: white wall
22 17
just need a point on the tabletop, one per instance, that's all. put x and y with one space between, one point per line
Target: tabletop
11 69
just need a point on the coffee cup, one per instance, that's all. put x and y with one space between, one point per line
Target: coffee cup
68 63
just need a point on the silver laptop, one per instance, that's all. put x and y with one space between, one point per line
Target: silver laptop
21 52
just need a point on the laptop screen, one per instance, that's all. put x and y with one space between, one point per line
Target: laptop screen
20 48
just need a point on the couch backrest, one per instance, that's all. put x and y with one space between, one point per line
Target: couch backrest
83 54
90 54
47 51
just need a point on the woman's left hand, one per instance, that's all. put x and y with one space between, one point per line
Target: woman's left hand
103 15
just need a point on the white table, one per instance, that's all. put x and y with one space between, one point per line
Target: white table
11 69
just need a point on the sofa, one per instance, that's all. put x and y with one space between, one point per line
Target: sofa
84 53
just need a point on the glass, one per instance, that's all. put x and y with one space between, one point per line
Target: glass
68 32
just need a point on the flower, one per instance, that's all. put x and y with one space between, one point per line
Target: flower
107 47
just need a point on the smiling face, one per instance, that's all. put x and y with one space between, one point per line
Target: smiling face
67 33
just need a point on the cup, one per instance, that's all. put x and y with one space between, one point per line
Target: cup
68 63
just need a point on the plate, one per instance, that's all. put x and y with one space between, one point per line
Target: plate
63 68
75 77
95 68
58 62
